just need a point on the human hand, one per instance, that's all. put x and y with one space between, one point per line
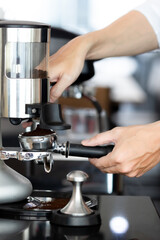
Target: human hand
66 65
136 151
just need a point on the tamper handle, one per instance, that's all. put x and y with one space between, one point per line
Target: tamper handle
87 151
76 205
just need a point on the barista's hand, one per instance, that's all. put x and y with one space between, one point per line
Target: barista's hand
136 151
66 65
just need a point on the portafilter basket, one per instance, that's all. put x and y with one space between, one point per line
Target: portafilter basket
36 143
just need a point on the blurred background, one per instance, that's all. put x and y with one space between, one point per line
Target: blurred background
111 92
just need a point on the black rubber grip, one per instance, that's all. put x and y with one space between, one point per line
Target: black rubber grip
89 152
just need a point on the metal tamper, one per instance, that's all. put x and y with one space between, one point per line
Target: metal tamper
76 205
76 212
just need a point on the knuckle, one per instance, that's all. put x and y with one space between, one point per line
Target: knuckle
131 174
126 170
104 171
123 171
139 175
116 130
98 164
118 159
55 94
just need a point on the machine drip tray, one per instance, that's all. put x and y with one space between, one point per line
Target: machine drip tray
39 206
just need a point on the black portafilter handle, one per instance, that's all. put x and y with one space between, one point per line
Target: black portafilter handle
87 151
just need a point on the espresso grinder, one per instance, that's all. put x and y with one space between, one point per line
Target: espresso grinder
24 93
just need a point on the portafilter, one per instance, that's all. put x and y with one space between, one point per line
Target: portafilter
46 140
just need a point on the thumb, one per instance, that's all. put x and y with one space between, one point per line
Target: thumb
99 139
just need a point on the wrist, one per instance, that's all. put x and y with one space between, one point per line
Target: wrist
155 133
85 43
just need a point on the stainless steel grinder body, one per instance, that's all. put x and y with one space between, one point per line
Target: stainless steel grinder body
24 52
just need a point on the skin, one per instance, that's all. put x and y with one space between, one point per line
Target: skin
137 148
129 35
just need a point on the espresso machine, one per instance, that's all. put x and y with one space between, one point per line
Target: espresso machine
24 94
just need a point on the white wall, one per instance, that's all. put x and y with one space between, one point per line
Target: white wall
104 12
33 10
86 14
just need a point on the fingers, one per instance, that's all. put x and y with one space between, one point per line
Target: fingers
61 84
115 162
63 80
112 164
56 91
64 68
100 139
107 166
102 163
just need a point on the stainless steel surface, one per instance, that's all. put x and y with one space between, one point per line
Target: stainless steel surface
10 227
58 157
24 52
76 205
13 186
42 143
77 176
26 35
37 143
17 153
48 163
32 202
18 92
7 153
22 49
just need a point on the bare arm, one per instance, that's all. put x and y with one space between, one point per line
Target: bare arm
137 148
130 35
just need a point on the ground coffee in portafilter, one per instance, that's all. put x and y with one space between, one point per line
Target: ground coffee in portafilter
38 132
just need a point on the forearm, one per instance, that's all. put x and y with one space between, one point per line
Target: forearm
130 35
